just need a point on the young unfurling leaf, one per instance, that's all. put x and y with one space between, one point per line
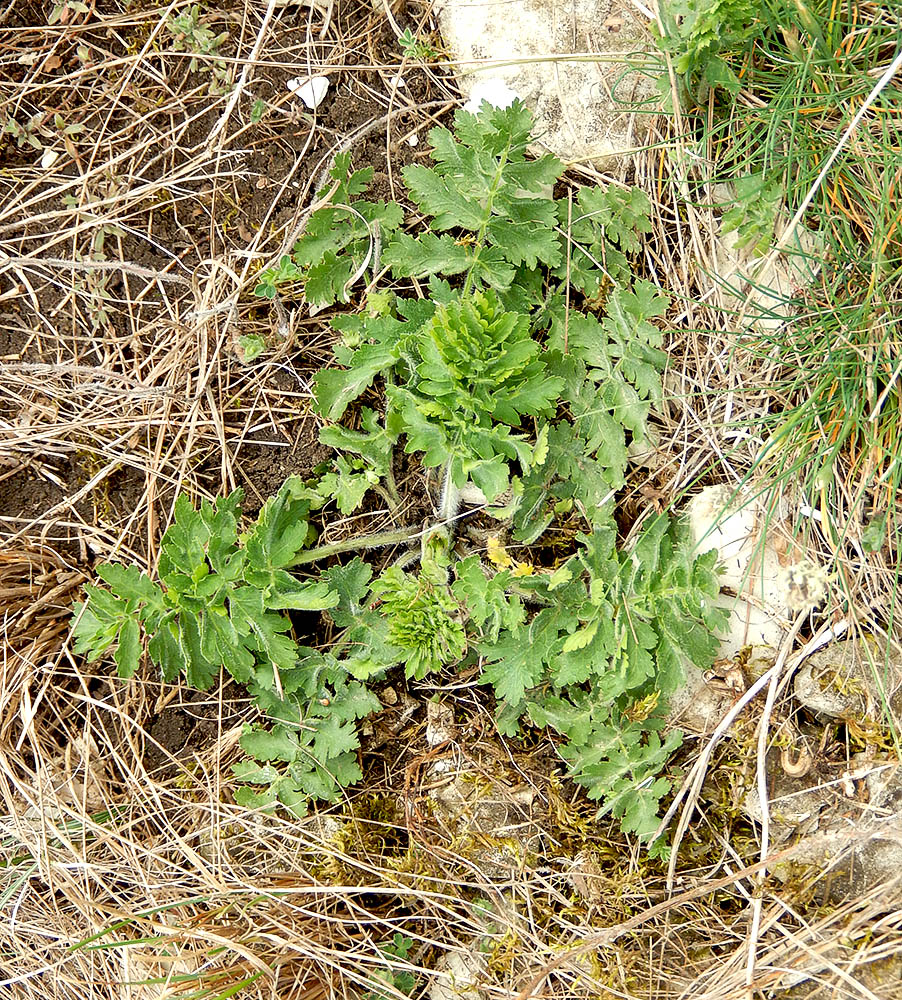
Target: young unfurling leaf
422 622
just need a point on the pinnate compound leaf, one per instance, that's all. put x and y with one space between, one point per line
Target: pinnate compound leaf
166 651
351 701
570 718
351 583
526 242
346 485
286 593
758 199
350 182
485 598
472 369
327 279
332 738
506 132
611 214
277 743
570 472
200 672
423 434
98 620
698 31
615 764
373 444
281 529
327 782
441 199
130 584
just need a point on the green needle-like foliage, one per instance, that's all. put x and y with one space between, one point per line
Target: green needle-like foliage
421 622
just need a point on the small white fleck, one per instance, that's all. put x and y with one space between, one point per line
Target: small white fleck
413 139
493 90
311 89
48 158
397 82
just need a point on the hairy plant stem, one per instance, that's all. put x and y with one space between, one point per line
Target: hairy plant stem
389 493
377 540
449 503
449 507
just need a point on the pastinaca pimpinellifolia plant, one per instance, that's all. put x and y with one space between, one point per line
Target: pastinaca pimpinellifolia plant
503 341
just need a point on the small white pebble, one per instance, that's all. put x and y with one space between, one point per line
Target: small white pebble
311 90
397 82
413 139
48 158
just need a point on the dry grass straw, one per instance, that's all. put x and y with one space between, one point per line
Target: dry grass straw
111 876
126 265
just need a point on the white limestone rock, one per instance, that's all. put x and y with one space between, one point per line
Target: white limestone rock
492 89
848 816
310 89
584 108
699 705
756 565
762 287
461 973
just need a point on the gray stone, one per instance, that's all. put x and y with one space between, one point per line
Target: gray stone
849 819
855 679
440 727
825 975
461 973
762 288
700 704
583 107
496 819
750 561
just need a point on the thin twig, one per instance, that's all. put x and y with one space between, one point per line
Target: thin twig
761 775
238 89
